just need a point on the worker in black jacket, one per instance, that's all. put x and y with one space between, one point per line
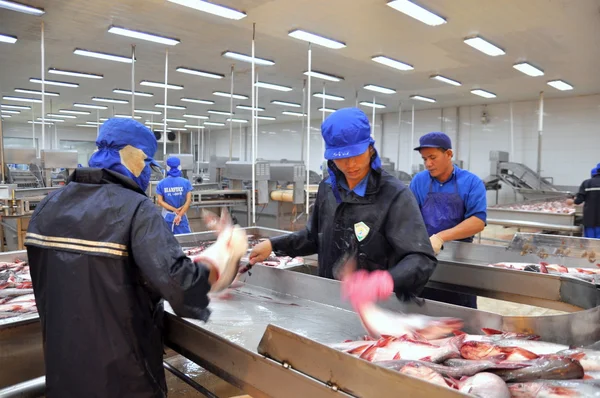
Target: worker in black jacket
589 194
361 207
102 259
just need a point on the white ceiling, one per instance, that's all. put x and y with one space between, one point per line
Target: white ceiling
559 36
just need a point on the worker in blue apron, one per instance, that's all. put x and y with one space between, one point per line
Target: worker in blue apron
452 202
174 195
589 195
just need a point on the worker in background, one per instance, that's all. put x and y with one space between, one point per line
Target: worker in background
452 201
361 208
102 259
589 194
175 196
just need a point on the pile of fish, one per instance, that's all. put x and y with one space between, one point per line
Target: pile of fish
16 290
493 365
586 274
557 206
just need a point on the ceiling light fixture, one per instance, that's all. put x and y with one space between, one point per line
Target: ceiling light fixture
94 123
372 105
417 12
328 97
266 117
189 126
446 80
21 99
324 76
11 5
10 112
61 116
74 112
181 108
143 36
196 72
110 100
484 46
249 108
236 96
127 117
4 116
137 93
154 123
214 124
211 8
421 98
316 39
177 128
195 116
147 112
161 85
8 39
271 86
53 83
175 120
101 107
392 63
197 101
109 57
219 112
44 123
237 120
75 74
20 107
86 125
528 69
37 92
283 103
51 120
293 113
379 89
327 110
248 58
560 85
483 93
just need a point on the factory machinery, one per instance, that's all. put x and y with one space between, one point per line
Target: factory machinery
269 338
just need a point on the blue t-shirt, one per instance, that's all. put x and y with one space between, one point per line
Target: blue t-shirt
174 190
470 188
360 189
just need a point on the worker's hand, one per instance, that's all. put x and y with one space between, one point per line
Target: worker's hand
437 243
177 219
260 252
362 287
570 202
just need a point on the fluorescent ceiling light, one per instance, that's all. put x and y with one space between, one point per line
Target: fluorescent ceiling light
143 36
8 39
53 83
160 85
327 110
11 5
236 96
5 116
421 98
379 89
283 103
214 124
181 108
85 125
162 131
61 116
484 46
154 123
293 113
483 93
177 129
372 105
249 108
75 74
219 113
528 69
10 112
316 39
74 112
109 57
446 80
26 91
199 73
93 123
176 120
127 117
271 86
237 120
266 117
20 107
392 63
417 12
324 76
51 120
560 85
110 100
211 8
195 116
248 58
144 111
21 99
189 126
90 106
45 123
198 101
328 96
137 93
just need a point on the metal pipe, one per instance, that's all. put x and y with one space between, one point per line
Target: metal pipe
2 151
253 129
33 127
303 120
43 91
412 137
240 156
399 131
202 151
179 142
28 389
308 133
254 116
356 99
512 135
231 117
322 139
189 381
540 133
132 79
457 132
165 107
97 123
373 121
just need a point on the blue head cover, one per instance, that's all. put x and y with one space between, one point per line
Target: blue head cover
594 171
126 146
173 164
434 140
347 133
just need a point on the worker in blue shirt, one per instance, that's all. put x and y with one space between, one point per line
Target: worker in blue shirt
175 196
452 202
589 195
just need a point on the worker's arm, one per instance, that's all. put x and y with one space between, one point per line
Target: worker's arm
469 227
162 203
188 201
580 198
166 269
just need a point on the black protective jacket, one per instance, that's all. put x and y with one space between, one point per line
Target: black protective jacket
397 240
589 194
102 259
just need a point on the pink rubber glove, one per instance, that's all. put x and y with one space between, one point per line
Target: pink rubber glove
362 287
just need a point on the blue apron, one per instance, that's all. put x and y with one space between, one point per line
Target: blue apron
442 211
182 228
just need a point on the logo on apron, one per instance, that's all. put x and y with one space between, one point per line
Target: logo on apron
361 231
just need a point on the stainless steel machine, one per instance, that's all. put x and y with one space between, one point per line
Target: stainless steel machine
239 175
270 336
30 177
216 168
51 160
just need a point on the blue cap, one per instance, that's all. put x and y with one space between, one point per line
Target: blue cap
173 162
594 171
347 133
434 140
117 133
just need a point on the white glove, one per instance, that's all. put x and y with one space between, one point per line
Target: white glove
437 243
224 256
